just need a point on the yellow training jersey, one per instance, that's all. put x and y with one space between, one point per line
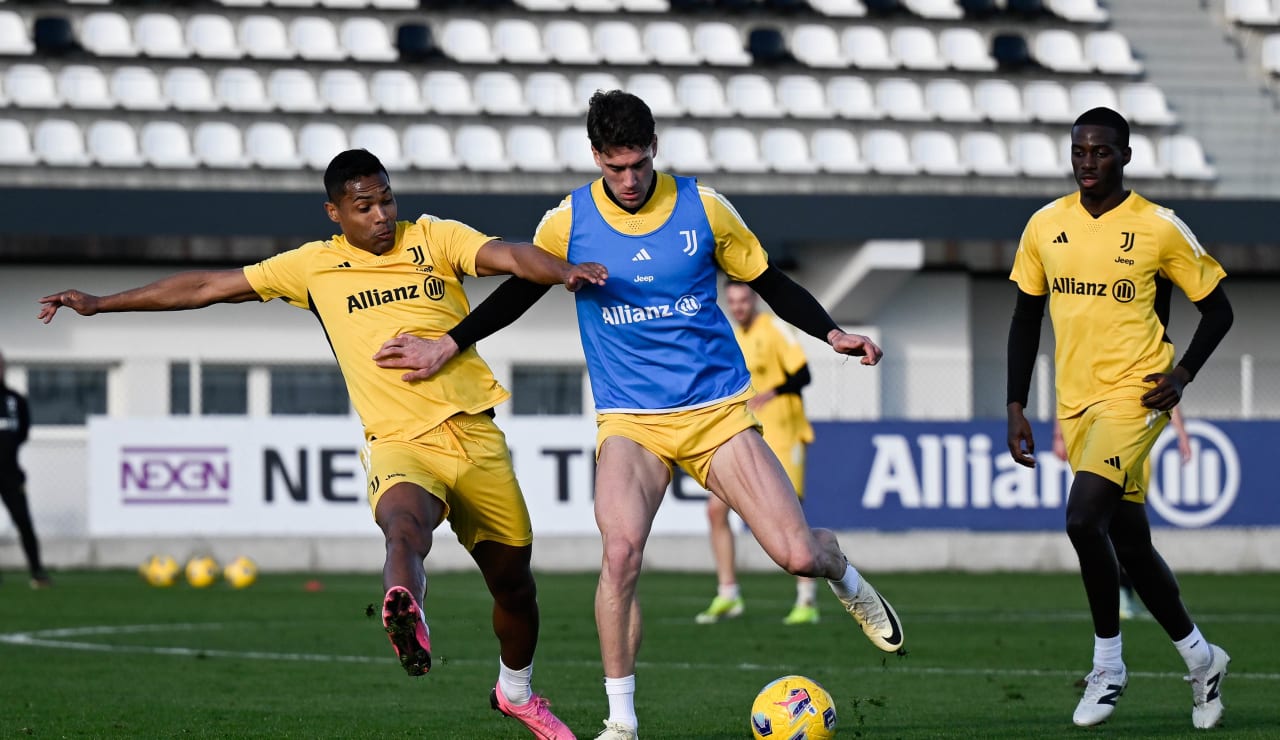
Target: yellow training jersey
1100 277
363 299
772 353
738 251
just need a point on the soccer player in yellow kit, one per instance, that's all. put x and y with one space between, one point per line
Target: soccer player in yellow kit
667 377
779 370
432 451
1096 256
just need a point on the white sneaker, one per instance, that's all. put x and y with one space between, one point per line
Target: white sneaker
617 731
1206 690
878 619
1101 691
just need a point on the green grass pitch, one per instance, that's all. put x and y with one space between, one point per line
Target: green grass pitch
990 656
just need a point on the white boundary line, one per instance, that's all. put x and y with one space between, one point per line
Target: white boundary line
60 639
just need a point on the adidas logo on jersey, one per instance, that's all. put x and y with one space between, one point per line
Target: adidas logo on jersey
641 256
1061 239
1113 461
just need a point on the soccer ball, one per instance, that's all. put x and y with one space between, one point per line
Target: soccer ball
159 570
240 573
202 571
793 708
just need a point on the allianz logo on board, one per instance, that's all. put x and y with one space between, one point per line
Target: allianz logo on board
1200 492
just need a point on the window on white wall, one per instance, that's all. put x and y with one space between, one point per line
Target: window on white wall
180 388
547 390
66 395
308 389
224 389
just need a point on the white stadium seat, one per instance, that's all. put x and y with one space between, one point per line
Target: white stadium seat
720 44
684 151
786 150
646 6
189 89
60 143
1078 11
985 153
137 88
218 144
888 153
751 95
396 91
840 8
212 37
316 39
866 47
619 42
916 48
937 153
383 141
1048 102
836 150
428 146
270 145
31 86
1144 103
902 99
241 89
1184 158
569 42
951 100
817 45
802 96
160 36
1000 101
518 41
655 89
702 96
15 143
1251 12
735 149
965 49
532 149
1109 52
1060 51
1035 154
107 34
1142 161
551 94
574 149
264 37
113 144
84 86
367 40
15 37
669 42
448 92
166 145
345 91
294 91
853 98
1271 53
480 148
938 10
1093 94
588 83
499 93
597 6
467 40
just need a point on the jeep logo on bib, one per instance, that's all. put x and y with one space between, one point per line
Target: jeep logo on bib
688 305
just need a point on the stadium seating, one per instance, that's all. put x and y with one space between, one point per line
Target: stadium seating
15 144
551 94
218 144
137 88
684 149
951 100
656 90
532 149
817 46
499 93
1183 157
786 150
318 141
1271 54
84 86
1109 53
107 34
888 153
669 42
1048 102
189 89
574 150
396 91
837 151
901 99
916 48
113 144
720 44
60 143
620 43
346 91
161 36
166 145
264 37
15 39
802 96
866 47
1142 162
853 97
752 96
31 86
316 39
380 138
965 49
480 148
518 41
1035 155
985 153
428 146
937 153
1251 12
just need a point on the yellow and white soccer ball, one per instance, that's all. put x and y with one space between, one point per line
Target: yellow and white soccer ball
241 572
793 708
202 571
159 570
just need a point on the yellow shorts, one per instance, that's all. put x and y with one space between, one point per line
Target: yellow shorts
465 463
685 438
790 452
1112 439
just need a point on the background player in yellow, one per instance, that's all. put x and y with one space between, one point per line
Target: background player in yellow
779 371
382 278
667 377
1096 256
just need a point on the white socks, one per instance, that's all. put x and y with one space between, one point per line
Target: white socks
622 700
1106 654
727 591
515 684
848 584
806 592
1195 650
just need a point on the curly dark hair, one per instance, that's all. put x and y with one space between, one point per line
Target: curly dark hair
617 119
346 167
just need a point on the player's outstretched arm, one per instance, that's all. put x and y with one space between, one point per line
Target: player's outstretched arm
536 265
185 290
1024 342
797 306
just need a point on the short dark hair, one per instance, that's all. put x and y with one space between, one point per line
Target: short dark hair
1106 118
618 119
347 166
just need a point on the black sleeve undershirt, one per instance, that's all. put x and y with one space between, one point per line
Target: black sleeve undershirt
1216 317
506 304
792 303
794 383
1024 342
